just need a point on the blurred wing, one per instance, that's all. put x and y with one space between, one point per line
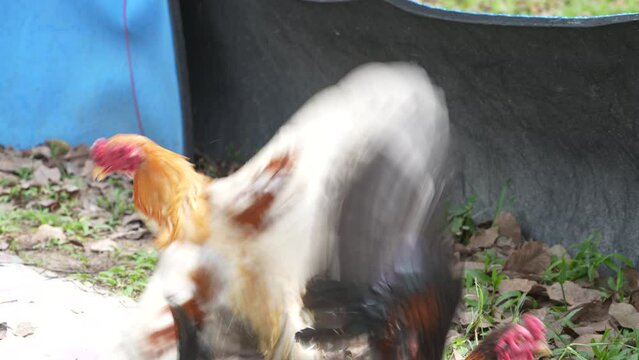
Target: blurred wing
389 226
352 188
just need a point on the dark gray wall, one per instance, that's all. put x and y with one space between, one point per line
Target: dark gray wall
554 109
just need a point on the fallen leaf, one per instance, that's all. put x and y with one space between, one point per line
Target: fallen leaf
541 313
559 251
24 329
522 285
474 265
601 326
70 188
105 245
583 341
47 232
78 153
593 312
484 238
467 317
505 243
457 355
575 294
452 334
632 276
531 258
24 241
41 152
49 204
8 178
12 164
130 235
634 299
132 221
43 175
87 168
6 207
58 147
584 282
461 249
137 235
73 168
76 243
583 330
508 226
625 314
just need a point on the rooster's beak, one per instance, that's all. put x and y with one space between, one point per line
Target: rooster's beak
543 350
99 173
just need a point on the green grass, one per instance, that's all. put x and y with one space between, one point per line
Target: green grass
486 304
541 7
16 220
130 277
120 203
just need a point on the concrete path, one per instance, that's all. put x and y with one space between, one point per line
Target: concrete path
48 317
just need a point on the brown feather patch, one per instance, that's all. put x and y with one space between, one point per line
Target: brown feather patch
166 337
263 192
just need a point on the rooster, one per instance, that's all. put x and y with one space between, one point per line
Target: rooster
166 188
345 200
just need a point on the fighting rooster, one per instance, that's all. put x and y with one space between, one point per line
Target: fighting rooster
346 200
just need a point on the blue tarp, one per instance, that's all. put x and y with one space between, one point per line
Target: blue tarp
64 71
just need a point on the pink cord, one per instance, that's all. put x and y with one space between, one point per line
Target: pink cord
131 77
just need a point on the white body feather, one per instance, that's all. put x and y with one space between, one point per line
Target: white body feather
393 107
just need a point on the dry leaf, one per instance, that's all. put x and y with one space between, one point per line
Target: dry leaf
634 299
70 188
73 168
57 146
452 334
24 241
11 164
484 238
88 168
531 258
44 175
593 312
559 251
508 226
464 318
130 234
541 313
633 278
24 329
575 294
105 245
49 204
583 330
586 339
522 285
41 152
47 232
601 326
474 265
79 153
505 243
625 314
